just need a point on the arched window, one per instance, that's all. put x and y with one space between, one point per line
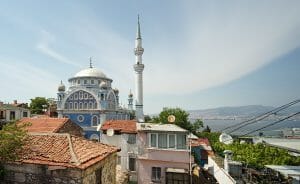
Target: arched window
85 105
75 105
91 105
94 121
95 105
70 105
80 105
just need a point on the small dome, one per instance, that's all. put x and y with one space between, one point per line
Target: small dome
130 94
90 72
103 84
61 87
116 91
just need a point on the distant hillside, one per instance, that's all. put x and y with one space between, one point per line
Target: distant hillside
237 112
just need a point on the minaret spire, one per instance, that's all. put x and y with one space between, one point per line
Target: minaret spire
139 68
138 32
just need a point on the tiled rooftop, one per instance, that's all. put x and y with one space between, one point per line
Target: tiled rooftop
63 150
124 126
44 124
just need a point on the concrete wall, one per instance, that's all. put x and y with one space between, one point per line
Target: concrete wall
20 173
219 173
18 114
155 157
127 150
145 169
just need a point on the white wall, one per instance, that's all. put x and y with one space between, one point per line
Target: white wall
219 173
127 150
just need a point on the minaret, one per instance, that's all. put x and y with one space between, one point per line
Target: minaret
130 101
138 68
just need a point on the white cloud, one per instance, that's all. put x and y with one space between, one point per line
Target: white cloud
44 47
221 44
24 81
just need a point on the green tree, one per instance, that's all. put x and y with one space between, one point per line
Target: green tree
181 119
11 141
38 105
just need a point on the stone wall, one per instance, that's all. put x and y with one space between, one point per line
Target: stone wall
71 128
106 169
19 173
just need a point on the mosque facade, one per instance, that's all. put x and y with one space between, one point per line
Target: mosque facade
91 100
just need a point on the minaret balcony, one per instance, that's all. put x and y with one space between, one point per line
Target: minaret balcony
138 67
138 51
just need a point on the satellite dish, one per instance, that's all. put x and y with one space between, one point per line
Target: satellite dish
171 118
110 132
225 138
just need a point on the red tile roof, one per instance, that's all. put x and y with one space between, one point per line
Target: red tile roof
61 149
123 126
200 141
44 124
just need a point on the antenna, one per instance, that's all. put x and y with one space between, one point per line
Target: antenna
225 138
110 132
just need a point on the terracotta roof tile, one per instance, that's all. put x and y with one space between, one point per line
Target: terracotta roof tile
61 149
124 126
44 124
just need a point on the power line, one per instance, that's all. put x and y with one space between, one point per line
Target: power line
271 124
260 117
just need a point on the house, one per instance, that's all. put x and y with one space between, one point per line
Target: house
52 125
62 158
122 134
164 156
9 112
201 149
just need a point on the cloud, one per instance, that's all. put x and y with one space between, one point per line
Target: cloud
24 81
221 43
44 46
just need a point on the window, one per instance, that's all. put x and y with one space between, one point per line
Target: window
131 139
85 105
86 96
95 105
80 118
80 105
75 105
91 105
70 105
172 141
98 174
119 160
131 164
80 95
156 174
75 96
78 82
94 121
162 141
92 81
12 115
85 81
153 140
181 141
25 114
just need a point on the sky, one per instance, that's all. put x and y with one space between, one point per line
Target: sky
198 54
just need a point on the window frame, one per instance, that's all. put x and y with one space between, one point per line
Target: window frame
157 174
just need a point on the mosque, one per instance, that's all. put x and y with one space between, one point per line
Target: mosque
90 99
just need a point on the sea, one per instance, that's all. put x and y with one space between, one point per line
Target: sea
275 130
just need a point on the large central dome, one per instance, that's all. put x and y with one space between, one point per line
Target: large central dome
90 72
